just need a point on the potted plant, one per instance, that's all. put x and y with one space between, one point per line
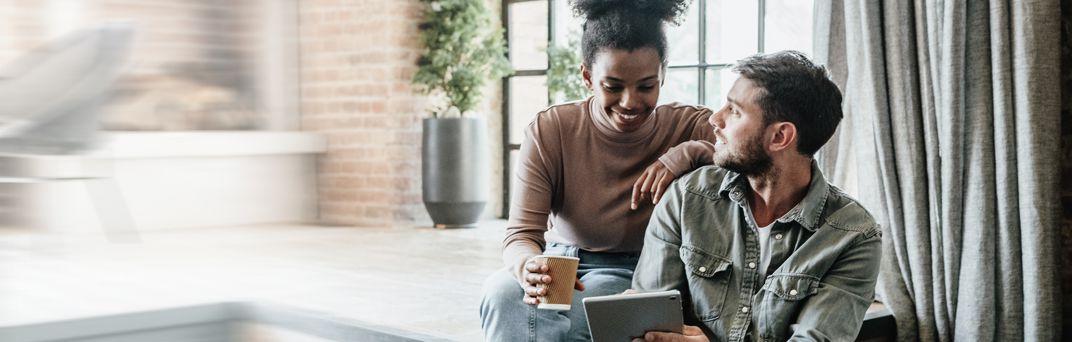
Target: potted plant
462 51
564 81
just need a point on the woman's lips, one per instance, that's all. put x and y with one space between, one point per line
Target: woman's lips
626 120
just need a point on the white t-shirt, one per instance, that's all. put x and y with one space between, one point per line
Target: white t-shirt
764 249
764 242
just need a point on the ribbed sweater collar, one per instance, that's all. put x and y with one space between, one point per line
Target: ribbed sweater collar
605 127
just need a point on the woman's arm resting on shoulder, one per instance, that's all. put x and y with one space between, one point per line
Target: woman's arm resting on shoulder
679 160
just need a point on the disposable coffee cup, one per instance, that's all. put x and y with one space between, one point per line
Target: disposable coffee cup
563 272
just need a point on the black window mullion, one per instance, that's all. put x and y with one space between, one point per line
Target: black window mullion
761 39
550 42
702 77
506 111
505 124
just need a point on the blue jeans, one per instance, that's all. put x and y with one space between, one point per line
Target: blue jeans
504 315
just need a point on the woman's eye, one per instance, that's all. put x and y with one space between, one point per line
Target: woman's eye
612 88
647 87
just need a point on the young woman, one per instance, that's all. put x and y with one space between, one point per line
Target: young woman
590 171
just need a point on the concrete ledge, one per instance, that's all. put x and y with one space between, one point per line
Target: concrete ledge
224 322
879 325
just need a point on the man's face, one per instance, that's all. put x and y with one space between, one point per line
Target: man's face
741 139
626 85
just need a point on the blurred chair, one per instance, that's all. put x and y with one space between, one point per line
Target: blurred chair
50 100
50 97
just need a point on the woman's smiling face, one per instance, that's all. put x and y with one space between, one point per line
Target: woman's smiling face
625 84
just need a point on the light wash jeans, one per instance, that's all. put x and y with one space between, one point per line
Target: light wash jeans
504 315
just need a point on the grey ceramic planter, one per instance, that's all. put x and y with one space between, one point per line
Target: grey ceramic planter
454 170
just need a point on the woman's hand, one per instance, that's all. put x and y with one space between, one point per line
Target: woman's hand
532 275
651 184
690 334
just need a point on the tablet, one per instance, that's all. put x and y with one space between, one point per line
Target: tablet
622 317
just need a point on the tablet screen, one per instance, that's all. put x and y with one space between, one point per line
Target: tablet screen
623 317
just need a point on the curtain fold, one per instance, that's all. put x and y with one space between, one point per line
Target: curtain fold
951 139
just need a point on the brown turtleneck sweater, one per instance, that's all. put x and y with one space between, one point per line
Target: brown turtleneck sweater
575 176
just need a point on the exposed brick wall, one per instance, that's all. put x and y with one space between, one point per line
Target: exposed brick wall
357 60
1066 163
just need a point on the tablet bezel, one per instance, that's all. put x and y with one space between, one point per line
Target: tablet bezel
621 317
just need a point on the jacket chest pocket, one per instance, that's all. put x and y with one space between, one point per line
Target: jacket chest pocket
708 276
783 296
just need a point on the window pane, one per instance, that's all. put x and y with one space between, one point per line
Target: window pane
683 40
718 82
528 35
680 86
788 26
512 173
566 24
528 96
732 30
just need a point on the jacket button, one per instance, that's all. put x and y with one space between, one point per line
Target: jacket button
751 265
778 236
744 309
793 292
703 269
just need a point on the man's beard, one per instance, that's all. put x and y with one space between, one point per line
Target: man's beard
753 161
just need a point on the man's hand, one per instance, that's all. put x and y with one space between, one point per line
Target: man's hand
691 334
651 184
532 275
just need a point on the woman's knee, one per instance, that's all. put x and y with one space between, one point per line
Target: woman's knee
500 288
610 281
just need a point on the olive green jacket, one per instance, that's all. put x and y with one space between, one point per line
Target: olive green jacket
824 260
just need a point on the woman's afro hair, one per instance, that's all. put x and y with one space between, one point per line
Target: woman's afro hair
626 24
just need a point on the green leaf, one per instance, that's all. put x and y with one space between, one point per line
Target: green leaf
462 51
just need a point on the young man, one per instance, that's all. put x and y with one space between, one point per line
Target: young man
760 244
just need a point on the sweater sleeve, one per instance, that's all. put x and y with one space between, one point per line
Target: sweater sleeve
534 184
699 148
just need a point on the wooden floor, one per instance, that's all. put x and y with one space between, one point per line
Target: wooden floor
412 278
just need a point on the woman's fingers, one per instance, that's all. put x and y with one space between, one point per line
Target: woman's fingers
665 178
638 195
537 278
533 267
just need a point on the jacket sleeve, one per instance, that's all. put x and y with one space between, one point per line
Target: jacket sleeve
660 267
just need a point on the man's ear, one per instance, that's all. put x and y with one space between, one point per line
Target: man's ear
784 136
586 75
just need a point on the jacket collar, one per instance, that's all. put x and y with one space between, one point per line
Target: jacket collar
735 187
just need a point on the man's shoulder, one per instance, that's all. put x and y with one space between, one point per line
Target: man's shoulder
704 181
846 213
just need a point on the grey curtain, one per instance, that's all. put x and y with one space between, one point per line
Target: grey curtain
952 140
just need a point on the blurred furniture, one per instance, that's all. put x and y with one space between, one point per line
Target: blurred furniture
49 103
49 98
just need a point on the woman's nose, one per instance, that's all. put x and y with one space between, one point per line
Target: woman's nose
628 100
